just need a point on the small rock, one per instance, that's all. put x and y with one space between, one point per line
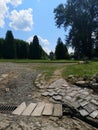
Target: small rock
82 83
57 98
45 94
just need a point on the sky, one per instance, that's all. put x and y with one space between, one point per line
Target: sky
26 18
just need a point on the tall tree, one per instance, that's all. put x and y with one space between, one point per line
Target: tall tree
2 41
60 50
22 49
10 50
82 18
35 50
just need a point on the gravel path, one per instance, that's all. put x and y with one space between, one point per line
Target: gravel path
18 85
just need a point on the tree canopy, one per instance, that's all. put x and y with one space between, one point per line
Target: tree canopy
81 16
61 51
11 48
35 50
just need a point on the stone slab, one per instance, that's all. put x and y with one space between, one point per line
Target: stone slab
57 98
73 93
39 109
83 103
57 84
94 102
94 114
83 112
57 110
48 110
75 105
29 109
90 107
19 109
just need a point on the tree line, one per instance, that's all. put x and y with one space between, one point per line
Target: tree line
81 18
11 48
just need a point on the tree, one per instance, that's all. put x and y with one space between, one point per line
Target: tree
82 18
22 49
60 50
35 50
51 55
10 50
2 41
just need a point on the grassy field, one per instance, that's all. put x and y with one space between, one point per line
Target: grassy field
68 67
89 69
36 61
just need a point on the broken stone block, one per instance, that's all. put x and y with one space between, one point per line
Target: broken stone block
94 114
83 103
57 98
83 112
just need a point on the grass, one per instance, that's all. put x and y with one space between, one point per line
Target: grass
48 67
36 61
81 69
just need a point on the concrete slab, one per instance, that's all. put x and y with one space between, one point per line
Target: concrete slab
94 114
75 105
84 103
90 107
29 109
83 112
19 109
94 102
48 110
57 110
39 109
73 93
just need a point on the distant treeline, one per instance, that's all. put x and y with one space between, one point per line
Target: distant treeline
11 48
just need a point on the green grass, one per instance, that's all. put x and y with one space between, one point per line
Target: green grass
81 69
48 67
36 61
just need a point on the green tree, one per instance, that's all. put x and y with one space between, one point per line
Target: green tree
2 41
35 50
51 55
81 16
10 49
60 50
22 49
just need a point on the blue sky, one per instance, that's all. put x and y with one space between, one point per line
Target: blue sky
27 18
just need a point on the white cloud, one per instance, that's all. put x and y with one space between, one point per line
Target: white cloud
15 2
44 41
22 20
4 9
3 12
